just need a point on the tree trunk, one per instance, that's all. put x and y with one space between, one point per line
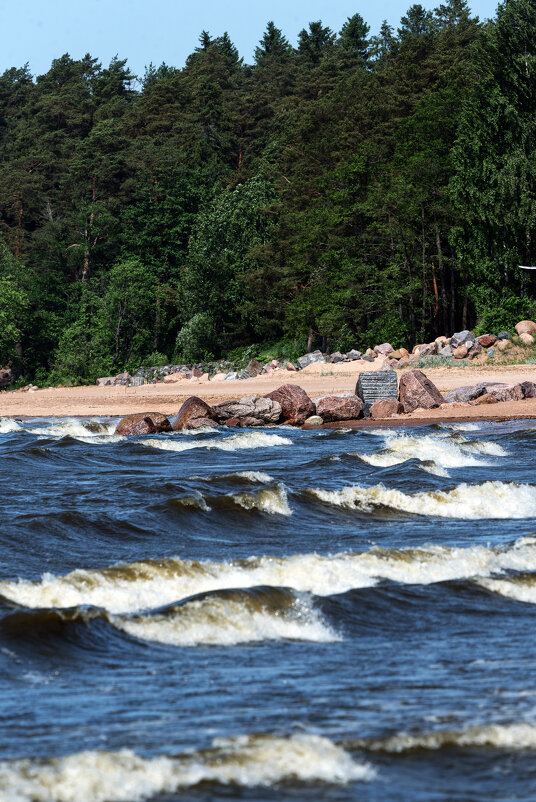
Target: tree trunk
310 341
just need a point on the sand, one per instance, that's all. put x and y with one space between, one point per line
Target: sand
316 380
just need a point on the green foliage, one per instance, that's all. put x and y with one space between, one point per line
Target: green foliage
155 360
505 313
196 339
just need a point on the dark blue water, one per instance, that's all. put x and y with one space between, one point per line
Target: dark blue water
267 614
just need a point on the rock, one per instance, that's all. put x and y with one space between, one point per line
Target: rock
395 355
525 327
368 357
6 376
337 357
465 394
390 364
526 338
254 407
384 348
192 409
143 423
218 377
425 349
416 390
460 337
490 352
339 407
487 398
385 408
413 359
441 341
197 423
370 352
486 340
232 376
291 366
254 367
376 386
505 392
295 404
529 389
475 349
314 420
353 355
503 344
446 351
308 359
503 335
460 352
403 363
173 377
232 422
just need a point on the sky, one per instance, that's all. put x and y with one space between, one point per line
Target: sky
145 31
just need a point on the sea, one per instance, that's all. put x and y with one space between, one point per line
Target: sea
267 614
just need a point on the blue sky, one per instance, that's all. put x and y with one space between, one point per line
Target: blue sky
146 31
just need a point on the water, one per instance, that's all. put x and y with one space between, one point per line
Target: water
268 615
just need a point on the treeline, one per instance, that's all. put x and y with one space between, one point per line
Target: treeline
341 192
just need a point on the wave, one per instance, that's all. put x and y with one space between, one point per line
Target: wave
231 617
272 500
258 477
223 618
85 430
236 442
496 736
124 776
439 452
8 425
146 585
520 588
470 502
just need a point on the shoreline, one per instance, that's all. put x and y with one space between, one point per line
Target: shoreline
316 380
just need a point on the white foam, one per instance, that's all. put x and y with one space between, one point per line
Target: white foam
124 776
520 588
235 443
214 620
8 425
470 502
442 452
94 431
249 476
151 584
497 736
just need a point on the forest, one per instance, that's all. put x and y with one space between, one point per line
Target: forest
340 191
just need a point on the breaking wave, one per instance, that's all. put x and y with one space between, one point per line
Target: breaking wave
272 500
9 425
88 430
149 584
495 736
439 452
520 588
236 442
470 502
227 618
247 761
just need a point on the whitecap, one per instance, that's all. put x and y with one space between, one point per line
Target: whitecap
236 442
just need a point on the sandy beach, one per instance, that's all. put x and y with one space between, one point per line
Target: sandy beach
316 380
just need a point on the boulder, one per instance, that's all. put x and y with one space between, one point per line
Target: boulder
460 337
218 377
486 340
526 338
503 335
490 352
346 406
445 351
426 349
370 352
232 376
173 377
385 408
505 392
368 357
529 389
337 357
503 344
143 423
291 366
295 404
253 368
465 394
308 359
441 341
314 420
197 423
525 327
416 390
254 407
460 352
403 363
6 376
192 409
353 355
384 348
